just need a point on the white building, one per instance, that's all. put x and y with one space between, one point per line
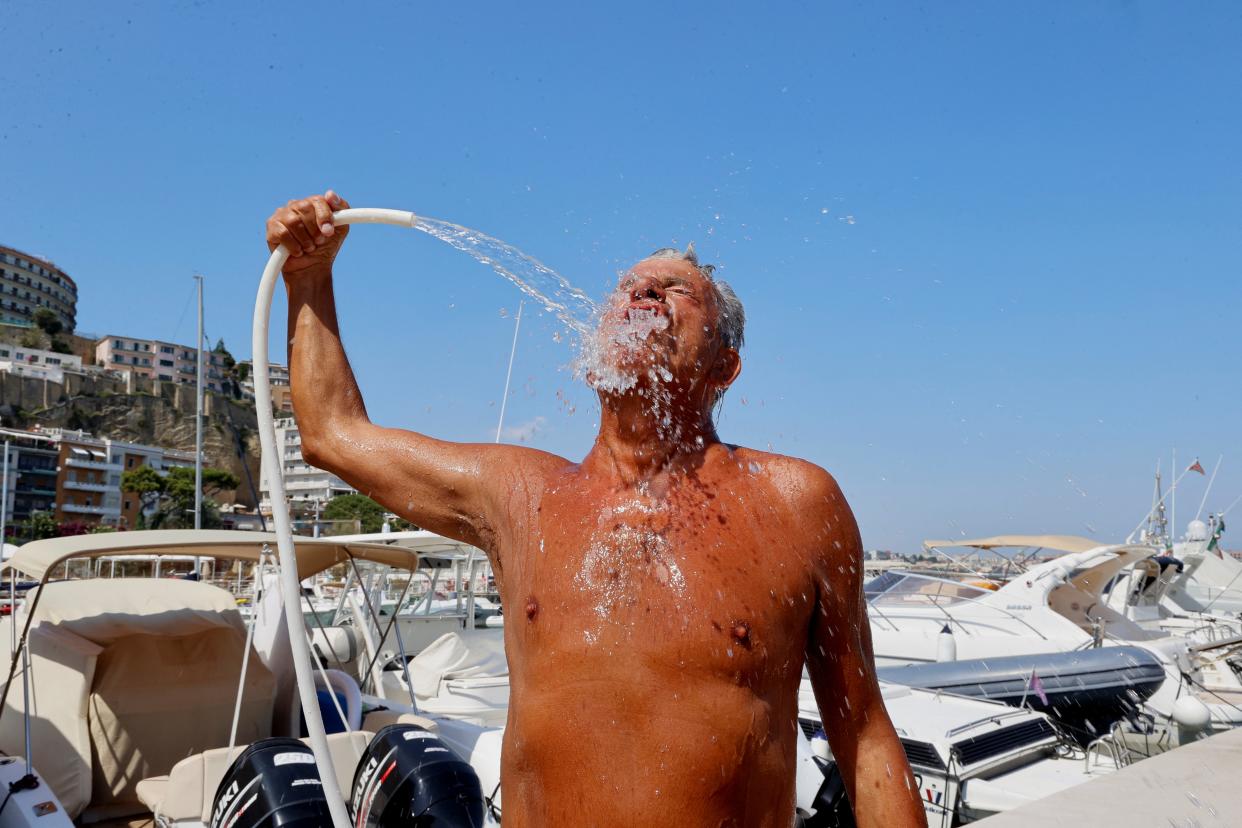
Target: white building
304 484
278 375
32 362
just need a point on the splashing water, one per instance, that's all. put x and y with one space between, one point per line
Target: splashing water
593 345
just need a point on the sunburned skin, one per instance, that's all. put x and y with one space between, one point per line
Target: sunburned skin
663 595
668 645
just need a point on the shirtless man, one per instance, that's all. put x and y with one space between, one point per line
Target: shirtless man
662 595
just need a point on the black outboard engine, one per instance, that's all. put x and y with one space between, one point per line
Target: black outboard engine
274 783
408 778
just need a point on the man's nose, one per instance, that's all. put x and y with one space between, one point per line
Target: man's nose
646 288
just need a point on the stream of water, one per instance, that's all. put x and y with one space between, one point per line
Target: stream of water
577 311
589 341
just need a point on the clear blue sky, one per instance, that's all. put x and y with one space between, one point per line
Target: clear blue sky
990 251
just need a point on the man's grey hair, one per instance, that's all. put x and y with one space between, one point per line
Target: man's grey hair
732 322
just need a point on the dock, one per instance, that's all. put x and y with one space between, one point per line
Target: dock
1195 785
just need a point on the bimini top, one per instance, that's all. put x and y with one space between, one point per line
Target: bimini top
38 558
428 545
1061 543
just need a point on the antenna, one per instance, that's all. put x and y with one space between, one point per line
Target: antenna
1208 490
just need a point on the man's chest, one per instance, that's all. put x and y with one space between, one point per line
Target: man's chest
692 579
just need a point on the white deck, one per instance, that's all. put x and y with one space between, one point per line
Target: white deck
1192 785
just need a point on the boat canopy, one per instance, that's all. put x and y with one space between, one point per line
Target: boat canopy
419 540
1061 543
38 558
434 551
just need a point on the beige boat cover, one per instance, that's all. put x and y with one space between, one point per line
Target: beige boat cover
1061 543
456 656
38 558
128 677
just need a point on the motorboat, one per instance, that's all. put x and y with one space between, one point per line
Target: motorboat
1145 594
1085 690
971 758
134 698
1210 581
1054 606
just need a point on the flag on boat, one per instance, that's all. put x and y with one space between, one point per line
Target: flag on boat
1037 687
1196 466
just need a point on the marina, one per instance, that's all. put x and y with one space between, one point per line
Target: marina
986 735
602 416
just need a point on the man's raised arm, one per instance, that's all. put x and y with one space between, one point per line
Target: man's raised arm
453 489
842 668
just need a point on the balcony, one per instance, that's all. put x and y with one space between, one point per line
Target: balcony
36 492
79 509
87 487
77 463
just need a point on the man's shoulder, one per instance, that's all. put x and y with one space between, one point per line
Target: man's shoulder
803 484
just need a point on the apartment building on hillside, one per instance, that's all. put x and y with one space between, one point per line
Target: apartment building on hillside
158 360
279 376
76 476
28 283
32 362
304 484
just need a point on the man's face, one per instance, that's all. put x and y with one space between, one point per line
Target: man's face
662 317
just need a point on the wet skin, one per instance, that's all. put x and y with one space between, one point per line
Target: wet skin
662 595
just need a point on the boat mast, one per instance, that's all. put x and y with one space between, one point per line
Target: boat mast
509 374
1173 497
1157 525
198 420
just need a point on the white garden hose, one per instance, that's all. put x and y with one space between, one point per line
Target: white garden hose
290 586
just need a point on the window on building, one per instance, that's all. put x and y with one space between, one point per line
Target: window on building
167 363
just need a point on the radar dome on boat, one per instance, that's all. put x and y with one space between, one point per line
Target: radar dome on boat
1196 530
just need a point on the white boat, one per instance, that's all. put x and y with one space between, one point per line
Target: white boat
1155 593
1210 581
971 758
1058 605
141 692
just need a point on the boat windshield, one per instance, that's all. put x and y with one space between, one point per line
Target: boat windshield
907 589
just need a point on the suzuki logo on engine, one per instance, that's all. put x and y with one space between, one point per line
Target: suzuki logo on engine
223 805
364 778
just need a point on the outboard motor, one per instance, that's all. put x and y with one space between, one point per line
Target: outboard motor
274 783
408 778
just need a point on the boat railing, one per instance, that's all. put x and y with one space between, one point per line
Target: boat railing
1110 745
962 600
1214 631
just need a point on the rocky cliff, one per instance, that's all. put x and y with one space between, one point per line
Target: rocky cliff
137 410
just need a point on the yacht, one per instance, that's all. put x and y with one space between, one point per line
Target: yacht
1054 606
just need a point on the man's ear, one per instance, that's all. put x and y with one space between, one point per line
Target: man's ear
728 367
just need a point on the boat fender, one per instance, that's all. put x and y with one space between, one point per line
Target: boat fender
1191 714
946 645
